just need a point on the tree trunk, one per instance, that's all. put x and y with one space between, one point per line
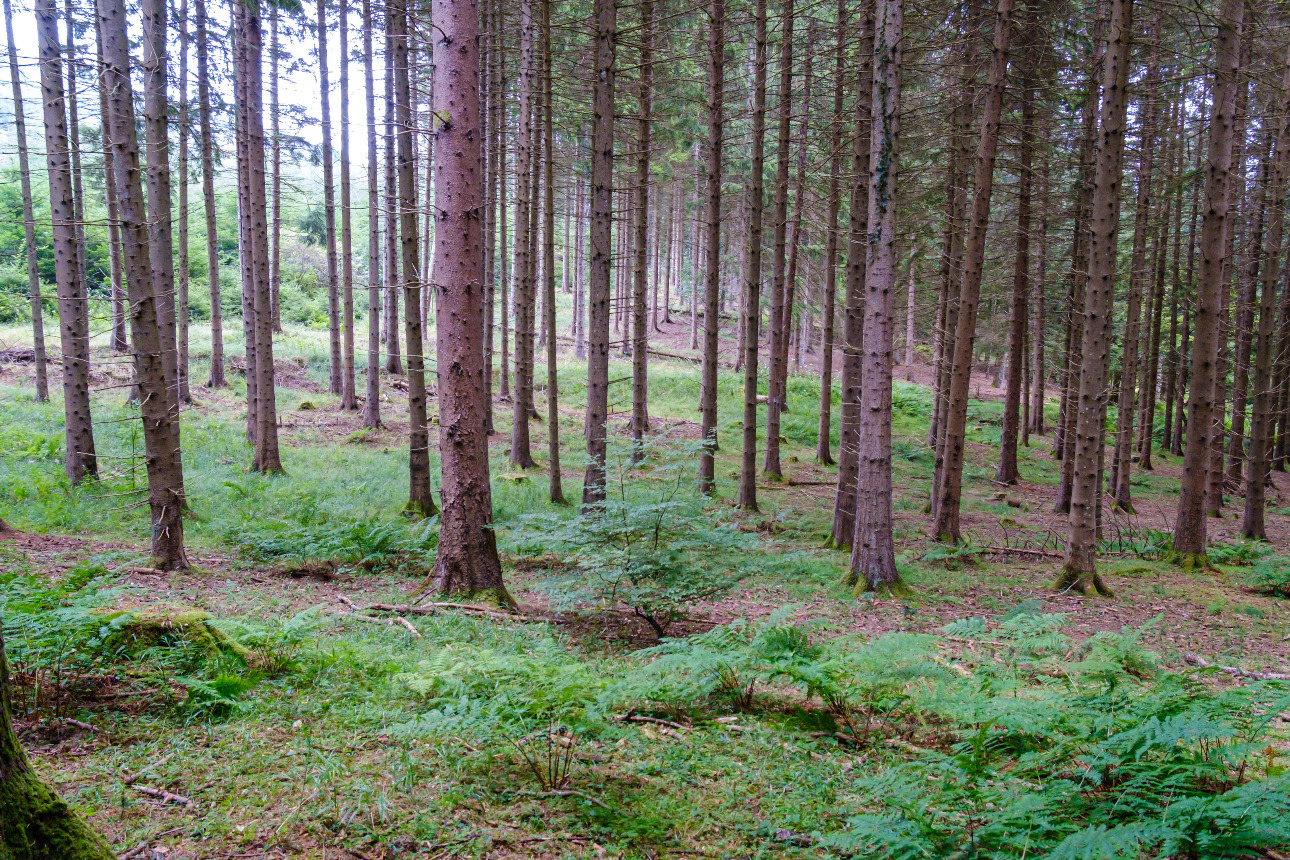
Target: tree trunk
420 501
329 211
1138 273
824 434
28 218
712 273
598 284
115 263
1275 163
37 824
80 461
466 564
1079 572
372 399
555 488
216 377
275 227
181 252
873 557
778 369
1189 529
164 466
946 526
752 286
267 459
78 196
844 500
1038 319
522 255
1007 472
348 396
393 360
640 330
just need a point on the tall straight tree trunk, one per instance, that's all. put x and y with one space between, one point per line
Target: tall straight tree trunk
522 255
1151 376
1038 319
334 370
946 526
1138 273
580 262
181 252
1276 164
74 144
267 459
156 127
712 230
115 263
466 563
771 467
1189 528
1079 572
555 488
823 444
1249 297
275 213
640 247
492 133
420 501
873 556
216 377
752 286
598 283
794 235
372 399
1007 472
245 241
28 217
80 461
164 467
348 396
393 360
844 500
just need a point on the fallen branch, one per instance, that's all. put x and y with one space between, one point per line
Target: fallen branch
1043 553
130 779
566 792
432 608
408 624
1197 660
641 718
143 846
86 726
163 795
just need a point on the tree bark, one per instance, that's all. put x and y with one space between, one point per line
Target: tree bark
181 252
162 453
946 526
873 557
348 396
640 247
555 489
1256 477
80 460
329 210
420 500
466 564
28 218
393 359
823 444
216 377
1007 472
522 254
778 370
37 824
712 229
1079 572
1189 529
844 500
372 399
752 286
598 283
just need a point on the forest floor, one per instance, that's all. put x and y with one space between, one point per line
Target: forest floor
326 736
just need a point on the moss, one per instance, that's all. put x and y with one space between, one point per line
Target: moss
1082 582
158 624
895 588
37 825
1192 561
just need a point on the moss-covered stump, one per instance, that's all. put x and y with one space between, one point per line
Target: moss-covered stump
1082 582
166 624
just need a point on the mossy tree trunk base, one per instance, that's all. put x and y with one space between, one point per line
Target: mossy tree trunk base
37 825
1191 561
1081 582
894 589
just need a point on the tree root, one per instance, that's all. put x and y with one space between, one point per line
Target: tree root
1081 582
